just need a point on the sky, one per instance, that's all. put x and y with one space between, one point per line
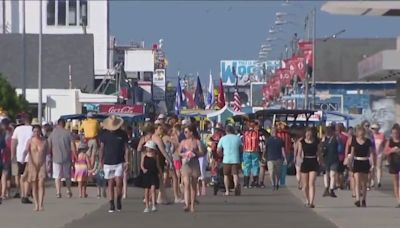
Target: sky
198 34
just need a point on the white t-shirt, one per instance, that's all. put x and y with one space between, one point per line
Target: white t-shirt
22 134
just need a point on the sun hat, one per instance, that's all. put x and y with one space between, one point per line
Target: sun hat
375 126
83 146
161 117
35 121
113 123
151 145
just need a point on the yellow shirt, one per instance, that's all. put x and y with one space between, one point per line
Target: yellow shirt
90 128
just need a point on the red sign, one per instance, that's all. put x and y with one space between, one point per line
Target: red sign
307 49
122 109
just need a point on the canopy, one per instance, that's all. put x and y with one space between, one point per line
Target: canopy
219 115
129 118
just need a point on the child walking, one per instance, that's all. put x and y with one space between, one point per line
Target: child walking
82 166
150 166
98 175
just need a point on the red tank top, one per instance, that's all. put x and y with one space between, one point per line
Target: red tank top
251 140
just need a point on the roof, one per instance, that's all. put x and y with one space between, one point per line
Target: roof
59 51
361 8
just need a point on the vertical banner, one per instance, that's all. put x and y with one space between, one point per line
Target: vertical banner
159 85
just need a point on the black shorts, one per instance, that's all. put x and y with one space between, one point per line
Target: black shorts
21 168
309 165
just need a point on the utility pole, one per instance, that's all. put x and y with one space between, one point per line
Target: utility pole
23 50
313 55
40 63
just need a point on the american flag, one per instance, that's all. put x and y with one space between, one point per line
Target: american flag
236 101
236 97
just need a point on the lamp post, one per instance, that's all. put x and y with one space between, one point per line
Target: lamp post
40 63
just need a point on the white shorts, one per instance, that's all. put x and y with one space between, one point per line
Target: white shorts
61 170
112 171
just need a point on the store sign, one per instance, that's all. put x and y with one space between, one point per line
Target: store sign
245 72
122 109
159 85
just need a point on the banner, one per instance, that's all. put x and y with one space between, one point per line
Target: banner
122 109
306 48
295 66
159 85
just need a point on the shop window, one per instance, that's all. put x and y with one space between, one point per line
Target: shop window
51 12
72 12
62 12
83 6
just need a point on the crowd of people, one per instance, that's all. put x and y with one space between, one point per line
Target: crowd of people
172 152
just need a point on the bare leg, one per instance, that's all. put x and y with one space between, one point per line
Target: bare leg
175 187
395 179
84 189
364 184
58 185
119 184
125 185
298 176
35 195
326 180
193 193
4 184
162 197
80 189
379 169
146 197
357 185
111 189
226 183
153 195
332 176
41 194
18 184
311 185
68 183
26 186
306 182
186 185
352 184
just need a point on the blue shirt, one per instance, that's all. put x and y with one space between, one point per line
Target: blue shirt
231 146
274 148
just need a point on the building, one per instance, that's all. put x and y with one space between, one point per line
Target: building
63 66
384 64
61 17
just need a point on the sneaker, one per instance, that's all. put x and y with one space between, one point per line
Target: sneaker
363 203
119 204
112 207
17 195
262 185
332 194
326 192
146 210
58 195
154 209
25 200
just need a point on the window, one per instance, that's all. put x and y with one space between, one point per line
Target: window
72 20
83 12
51 12
62 13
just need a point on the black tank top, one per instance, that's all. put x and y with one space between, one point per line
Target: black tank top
393 144
361 150
309 149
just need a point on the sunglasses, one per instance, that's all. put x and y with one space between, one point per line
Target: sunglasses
186 132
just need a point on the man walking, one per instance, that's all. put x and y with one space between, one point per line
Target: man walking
19 140
331 161
251 159
114 155
62 146
91 128
230 146
275 157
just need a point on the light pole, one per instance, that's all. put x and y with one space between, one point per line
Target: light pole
40 63
314 13
23 51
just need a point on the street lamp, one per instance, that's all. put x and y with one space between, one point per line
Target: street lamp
334 35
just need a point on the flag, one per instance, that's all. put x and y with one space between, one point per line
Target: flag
236 101
236 97
221 95
178 97
198 95
210 93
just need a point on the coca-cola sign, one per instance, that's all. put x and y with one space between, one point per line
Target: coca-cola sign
123 109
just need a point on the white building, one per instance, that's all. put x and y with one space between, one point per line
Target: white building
61 17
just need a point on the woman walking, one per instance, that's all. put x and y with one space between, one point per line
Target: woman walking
392 150
310 165
361 153
35 173
190 149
